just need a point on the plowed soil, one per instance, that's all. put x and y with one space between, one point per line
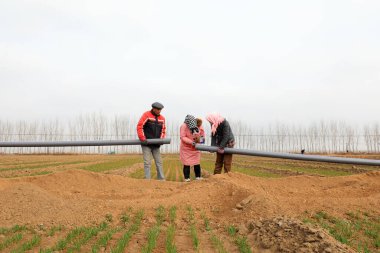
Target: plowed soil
267 211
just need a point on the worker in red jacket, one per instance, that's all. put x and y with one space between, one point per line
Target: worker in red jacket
152 126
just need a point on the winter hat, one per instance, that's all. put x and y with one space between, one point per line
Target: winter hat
157 105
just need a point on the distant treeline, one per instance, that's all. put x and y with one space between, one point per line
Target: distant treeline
323 136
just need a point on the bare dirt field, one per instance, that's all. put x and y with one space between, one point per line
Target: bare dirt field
264 205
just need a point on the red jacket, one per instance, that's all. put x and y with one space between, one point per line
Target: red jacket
151 126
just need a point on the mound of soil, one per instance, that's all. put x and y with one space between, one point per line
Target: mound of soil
283 234
266 210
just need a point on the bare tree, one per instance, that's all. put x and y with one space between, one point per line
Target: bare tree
319 136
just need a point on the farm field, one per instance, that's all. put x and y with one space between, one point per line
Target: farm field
101 203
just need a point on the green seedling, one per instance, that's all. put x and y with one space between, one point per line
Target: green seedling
124 240
241 242
88 233
231 230
359 230
206 222
11 240
193 229
102 242
124 218
109 217
154 231
28 245
218 244
62 244
152 238
160 214
53 230
170 246
173 213
14 229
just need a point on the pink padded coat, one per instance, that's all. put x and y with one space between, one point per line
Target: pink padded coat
187 153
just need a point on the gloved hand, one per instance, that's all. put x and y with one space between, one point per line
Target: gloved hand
144 142
220 150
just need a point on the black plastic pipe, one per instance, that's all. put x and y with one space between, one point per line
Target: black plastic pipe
80 143
316 158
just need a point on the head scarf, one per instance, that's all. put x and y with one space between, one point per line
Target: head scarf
191 123
215 119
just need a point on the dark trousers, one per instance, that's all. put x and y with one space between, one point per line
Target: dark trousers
223 159
186 171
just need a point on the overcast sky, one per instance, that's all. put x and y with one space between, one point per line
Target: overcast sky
255 61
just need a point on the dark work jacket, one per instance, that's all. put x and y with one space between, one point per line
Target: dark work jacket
151 126
223 135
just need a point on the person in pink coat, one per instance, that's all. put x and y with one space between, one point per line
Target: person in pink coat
190 135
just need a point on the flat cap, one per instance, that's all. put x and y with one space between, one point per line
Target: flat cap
157 105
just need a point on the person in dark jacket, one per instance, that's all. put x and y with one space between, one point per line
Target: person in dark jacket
152 126
221 136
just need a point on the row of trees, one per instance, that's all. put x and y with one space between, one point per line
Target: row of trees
327 137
